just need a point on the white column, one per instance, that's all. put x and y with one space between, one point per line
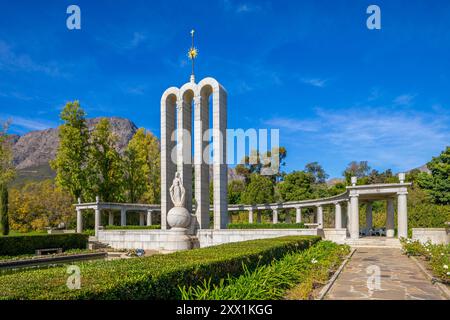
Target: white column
338 215
111 219
123 217
320 217
348 219
390 223
258 217
369 216
275 215
79 221
354 216
220 168
402 215
250 215
298 215
141 219
97 220
149 217
201 161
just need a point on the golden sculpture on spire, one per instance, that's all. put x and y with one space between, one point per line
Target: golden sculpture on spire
192 54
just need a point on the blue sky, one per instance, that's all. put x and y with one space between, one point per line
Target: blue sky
337 91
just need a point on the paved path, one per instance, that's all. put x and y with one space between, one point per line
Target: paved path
400 278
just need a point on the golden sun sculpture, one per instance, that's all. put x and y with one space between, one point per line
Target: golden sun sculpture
193 53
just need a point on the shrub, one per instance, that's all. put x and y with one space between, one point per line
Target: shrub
18 245
266 226
273 280
436 255
155 277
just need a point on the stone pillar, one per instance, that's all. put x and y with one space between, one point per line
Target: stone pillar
354 216
390 223
348 219
258 217
141 219
288 217
79 221
320 217
298 215
338 215
168 165
220 174
402 215
184 148
250 215
97 220
111 218
369 216
123 217
149 217
275 215
201 161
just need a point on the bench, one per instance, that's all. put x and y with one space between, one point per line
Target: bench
41 252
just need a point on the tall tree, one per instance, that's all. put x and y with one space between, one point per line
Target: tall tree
318 172
259 190
71 156
4 221
357 169
141 167
437 184
296 186
104 164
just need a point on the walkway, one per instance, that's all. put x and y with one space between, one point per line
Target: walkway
400 278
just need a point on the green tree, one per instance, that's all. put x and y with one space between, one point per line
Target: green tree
4 221
71 156
7 170
357 169
259 190
317 171
437 184
104 165
141 164
235 190
296 186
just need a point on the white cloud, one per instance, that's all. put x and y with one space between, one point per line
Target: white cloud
386 138
28 123
241 8
320 83
10 60
404 99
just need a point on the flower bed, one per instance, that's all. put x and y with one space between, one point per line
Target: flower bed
155 277
437 256
294 276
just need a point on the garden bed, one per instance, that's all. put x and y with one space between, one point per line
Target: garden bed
156 277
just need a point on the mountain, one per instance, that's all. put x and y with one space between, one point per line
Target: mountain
34 150
37 148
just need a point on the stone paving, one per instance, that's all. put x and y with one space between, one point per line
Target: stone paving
400 278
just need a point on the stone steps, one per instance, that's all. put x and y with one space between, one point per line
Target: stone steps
374 242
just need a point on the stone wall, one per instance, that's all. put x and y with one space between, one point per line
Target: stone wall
435 235
335 235
160 239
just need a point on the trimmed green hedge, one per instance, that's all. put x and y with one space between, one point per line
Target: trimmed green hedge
156 277
18 245
267 226
153 227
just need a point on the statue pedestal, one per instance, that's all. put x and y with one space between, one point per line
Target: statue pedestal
178 240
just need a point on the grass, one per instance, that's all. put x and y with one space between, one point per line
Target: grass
293 277
30 233
31 256
155 277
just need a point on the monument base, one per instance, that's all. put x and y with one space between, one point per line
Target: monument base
178 240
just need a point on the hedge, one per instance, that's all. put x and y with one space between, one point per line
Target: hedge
25 244
266 226
157 277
